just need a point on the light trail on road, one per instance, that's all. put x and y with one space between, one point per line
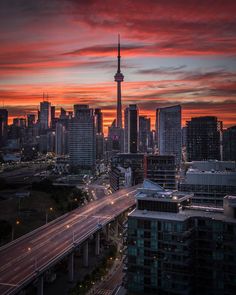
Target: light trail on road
22 260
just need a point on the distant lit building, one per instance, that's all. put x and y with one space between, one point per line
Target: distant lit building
98 121
45 115
144 134
53 117
99 134
4 116
3 126
168 122
60 139
31 120
204 139
116 138
131 129
157 128
229 144
176 248
19 122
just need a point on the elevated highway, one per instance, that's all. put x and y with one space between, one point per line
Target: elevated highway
27 258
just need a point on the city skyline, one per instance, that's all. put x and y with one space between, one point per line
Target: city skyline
185 56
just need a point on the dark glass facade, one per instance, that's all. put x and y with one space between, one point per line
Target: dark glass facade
229 144
161 169
204 139
175 248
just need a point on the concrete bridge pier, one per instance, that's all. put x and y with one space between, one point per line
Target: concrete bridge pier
107 231
85 254
40 285
71 267
97 244
116 229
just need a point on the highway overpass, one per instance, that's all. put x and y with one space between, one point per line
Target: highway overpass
27 258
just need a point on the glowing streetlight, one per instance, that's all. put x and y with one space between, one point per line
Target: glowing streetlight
46 216
13 229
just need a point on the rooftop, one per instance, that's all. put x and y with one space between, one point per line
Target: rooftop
183 215
153 191
197 171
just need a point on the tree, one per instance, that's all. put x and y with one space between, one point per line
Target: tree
5 229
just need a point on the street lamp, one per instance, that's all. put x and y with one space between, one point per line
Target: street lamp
46 217
13 229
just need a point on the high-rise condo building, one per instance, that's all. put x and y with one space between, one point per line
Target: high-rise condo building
176 248
131 129
204 139
229 144
168 121
82 147
98 121
144 134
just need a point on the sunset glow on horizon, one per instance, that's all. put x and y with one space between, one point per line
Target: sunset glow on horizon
173 52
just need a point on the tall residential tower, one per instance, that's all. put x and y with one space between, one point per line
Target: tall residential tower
169 131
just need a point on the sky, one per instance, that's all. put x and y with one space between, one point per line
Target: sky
173 52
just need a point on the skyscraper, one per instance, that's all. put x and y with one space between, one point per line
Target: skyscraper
98 121
3 125
144 133
45 115
53 117
157 127
4 116
229 144
99 134
116 138
30 120
169 131
131 128
119 77
60 139
204 139
82 148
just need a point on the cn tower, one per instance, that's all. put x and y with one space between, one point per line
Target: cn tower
119 77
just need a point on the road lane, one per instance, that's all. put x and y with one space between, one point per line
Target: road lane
20 260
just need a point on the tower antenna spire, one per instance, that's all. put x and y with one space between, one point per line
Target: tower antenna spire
118 70
119 77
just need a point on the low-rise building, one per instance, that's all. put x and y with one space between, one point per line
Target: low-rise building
124 167
160 169
210 181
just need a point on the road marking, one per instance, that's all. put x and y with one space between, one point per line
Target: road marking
58 228
11 285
